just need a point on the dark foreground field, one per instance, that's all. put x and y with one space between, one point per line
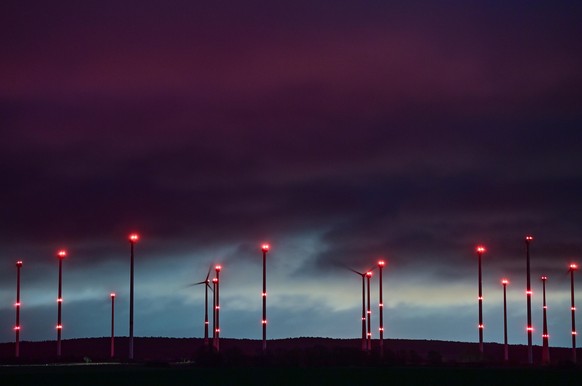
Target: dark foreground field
64 375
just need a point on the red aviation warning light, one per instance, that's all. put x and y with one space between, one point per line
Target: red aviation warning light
265 248
133 238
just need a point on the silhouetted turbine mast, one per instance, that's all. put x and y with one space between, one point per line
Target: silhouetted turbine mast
480 251
61 255
17 306
573 267
505 282
528 294
545 336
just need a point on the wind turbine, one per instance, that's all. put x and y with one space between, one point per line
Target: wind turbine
363 275
206 283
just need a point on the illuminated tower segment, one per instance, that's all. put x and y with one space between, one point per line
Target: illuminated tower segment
505 282
545 336
480 251
133 238
381 264
17 306
573 267
264 248
60 255
528 294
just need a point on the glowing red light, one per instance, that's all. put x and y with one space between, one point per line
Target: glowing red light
369 274
545 335
215 280
529 292
381 305
368 312
480 249
217 329
573 266
59 300
264 321
265 247
62 253
112 294
574 333
205 322
369 334
264 294
529 329
481 326
17 304
381 263
544 278
528 238
19 263
504 281
134 237
381 329
480 298
545 307
59 327
218 267
16 328
573 308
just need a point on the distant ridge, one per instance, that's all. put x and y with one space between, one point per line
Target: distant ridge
160 349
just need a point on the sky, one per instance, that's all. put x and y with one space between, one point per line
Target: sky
340 132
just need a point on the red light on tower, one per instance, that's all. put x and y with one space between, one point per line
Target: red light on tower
573 267
133 238
480 249
61 254
265 247
504 281
218 268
